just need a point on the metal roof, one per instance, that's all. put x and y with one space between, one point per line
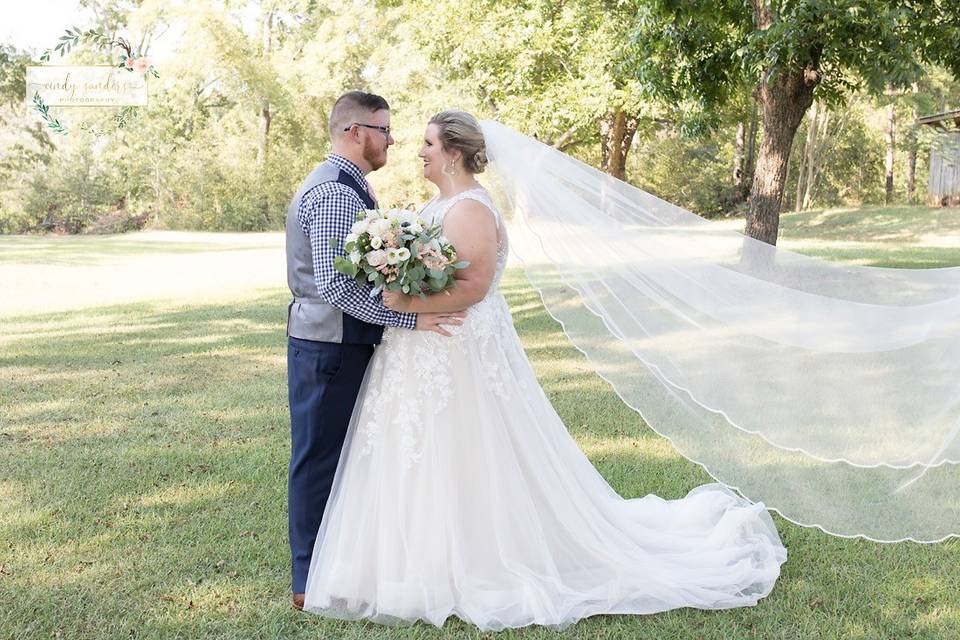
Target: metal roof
942 120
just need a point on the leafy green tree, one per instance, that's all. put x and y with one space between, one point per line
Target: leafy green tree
656 91
25 144
697 53
550 69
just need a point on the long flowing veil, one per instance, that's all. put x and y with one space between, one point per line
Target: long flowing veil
829 392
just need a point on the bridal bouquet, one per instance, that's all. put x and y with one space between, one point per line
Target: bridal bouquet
396 250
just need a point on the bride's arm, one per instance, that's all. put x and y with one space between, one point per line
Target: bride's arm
472 231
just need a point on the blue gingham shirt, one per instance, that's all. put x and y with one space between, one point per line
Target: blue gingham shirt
328 211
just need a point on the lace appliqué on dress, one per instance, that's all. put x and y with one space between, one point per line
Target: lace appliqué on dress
411 371
402 394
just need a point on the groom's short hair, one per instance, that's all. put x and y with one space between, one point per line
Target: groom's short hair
352 107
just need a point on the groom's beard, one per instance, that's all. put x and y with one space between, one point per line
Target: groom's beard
375 156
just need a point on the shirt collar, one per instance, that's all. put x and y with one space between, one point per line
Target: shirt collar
350 168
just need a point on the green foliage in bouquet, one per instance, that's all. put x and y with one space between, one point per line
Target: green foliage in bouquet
397 251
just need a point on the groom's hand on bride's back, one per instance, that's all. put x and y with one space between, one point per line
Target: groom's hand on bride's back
436 321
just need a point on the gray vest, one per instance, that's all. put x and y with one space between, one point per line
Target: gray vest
308 316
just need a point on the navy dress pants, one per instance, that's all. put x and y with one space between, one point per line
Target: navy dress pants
323 379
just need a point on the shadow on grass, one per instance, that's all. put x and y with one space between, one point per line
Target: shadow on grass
143 454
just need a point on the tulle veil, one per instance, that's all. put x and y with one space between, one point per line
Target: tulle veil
829 392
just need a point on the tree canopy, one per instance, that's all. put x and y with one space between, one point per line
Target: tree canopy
696 101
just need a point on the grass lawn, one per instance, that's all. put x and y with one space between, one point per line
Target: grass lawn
144 444
902 237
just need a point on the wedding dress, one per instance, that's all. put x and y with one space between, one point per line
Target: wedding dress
460 493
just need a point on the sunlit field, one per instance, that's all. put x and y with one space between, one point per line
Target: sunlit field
144 442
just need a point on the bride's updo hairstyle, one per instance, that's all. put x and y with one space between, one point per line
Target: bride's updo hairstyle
460 130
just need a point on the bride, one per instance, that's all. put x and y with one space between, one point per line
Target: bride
460 492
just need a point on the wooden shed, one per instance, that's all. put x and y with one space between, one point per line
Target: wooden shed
943 187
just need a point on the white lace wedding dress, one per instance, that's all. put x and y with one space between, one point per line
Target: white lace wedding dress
460 492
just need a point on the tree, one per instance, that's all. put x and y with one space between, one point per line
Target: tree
25 143
550 69
699 52
890 139
825 130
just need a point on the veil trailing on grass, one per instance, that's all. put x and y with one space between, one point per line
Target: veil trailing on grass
829 392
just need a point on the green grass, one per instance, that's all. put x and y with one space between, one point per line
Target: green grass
143 452
901 224
87 250
902 237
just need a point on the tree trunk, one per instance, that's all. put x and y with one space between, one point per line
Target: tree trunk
157 201
785 98
751 161
912 160
815 161
265 115
616 135
806 159
891 125
738 144
264 133
798 195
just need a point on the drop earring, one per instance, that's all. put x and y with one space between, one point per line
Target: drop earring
450 170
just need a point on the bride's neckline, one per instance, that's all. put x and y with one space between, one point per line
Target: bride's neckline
479 187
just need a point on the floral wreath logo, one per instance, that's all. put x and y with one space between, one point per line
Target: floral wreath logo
128 60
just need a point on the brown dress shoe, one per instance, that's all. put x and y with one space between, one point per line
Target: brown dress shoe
298 601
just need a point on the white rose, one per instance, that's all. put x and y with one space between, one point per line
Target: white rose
403 254
380 227
377 258
360 226
393 256
372 214
443 240
351 237
355 257
376 242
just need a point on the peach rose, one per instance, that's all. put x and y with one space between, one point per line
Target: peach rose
377 258
141 65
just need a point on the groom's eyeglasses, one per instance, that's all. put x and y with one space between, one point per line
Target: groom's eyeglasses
384 130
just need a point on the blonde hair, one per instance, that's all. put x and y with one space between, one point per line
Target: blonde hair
460 130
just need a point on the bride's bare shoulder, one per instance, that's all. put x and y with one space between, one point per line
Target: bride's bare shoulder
471 219
471 212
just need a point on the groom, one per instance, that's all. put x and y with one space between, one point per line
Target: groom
332 322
